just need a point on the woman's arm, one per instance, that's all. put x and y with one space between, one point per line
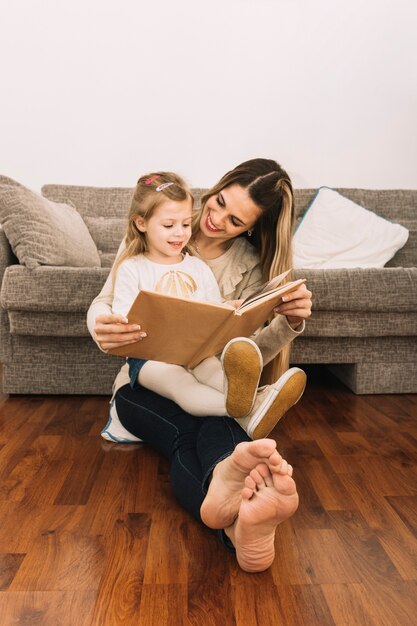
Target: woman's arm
290 323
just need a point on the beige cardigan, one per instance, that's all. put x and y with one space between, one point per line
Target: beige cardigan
238 274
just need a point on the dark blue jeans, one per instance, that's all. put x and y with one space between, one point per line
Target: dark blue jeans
193 445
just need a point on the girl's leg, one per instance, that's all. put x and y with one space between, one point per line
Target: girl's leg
175 383
210 372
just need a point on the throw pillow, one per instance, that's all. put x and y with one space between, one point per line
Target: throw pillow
5 180
42 232
335 232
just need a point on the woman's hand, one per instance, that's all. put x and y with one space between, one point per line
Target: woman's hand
114 331
296 306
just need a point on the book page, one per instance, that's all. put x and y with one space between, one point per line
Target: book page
266 288
272 294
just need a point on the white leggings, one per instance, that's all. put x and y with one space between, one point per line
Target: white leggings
199 391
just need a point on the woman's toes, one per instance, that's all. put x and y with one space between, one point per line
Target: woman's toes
290 470
283 468
275 460
250 482
263 470
256 477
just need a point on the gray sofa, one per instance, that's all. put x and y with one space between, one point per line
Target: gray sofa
364 322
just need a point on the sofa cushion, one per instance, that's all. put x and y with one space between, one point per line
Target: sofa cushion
42 232
378 289
335 232
59 289
64 289
48 324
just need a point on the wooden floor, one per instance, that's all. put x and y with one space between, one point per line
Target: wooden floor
91 535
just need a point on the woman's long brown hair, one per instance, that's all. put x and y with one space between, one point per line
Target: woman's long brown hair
270 188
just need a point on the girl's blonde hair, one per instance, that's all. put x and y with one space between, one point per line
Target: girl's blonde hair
151 191
270 188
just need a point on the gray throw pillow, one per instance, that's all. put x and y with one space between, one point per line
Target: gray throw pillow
42 232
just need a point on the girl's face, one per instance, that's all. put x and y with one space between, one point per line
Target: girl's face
228 214
167 231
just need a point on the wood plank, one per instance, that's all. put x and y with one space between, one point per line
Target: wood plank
311 512
398 542
391 602
47 608
20 524
311 556
9 565
163 604
364 547
39 474
254 604
61 562
120 590
330 490
406 509
346 605
304 605
167 562
82 474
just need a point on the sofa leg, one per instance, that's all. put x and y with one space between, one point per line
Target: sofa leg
375 378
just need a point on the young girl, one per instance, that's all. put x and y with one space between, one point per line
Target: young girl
155 258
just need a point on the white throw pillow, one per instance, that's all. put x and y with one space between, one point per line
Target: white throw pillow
336 232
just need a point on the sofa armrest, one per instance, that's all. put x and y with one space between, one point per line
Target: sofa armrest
6 254
6 258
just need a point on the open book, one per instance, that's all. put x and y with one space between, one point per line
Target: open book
185 332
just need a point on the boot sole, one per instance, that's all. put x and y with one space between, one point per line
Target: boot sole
242 366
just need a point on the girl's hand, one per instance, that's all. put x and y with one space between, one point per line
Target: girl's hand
296 306
114 331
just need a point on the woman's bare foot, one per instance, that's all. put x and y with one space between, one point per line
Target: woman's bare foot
268 498
224 495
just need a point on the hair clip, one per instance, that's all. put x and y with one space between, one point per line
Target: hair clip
164 186
150 180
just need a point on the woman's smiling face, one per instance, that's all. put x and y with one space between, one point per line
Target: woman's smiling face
228 214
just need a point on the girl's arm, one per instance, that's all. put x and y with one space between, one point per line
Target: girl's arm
126 288
107 329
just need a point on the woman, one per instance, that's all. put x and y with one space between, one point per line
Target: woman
241 487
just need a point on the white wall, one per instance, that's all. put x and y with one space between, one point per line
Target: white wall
97 92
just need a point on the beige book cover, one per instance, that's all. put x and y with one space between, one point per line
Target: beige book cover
185 332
